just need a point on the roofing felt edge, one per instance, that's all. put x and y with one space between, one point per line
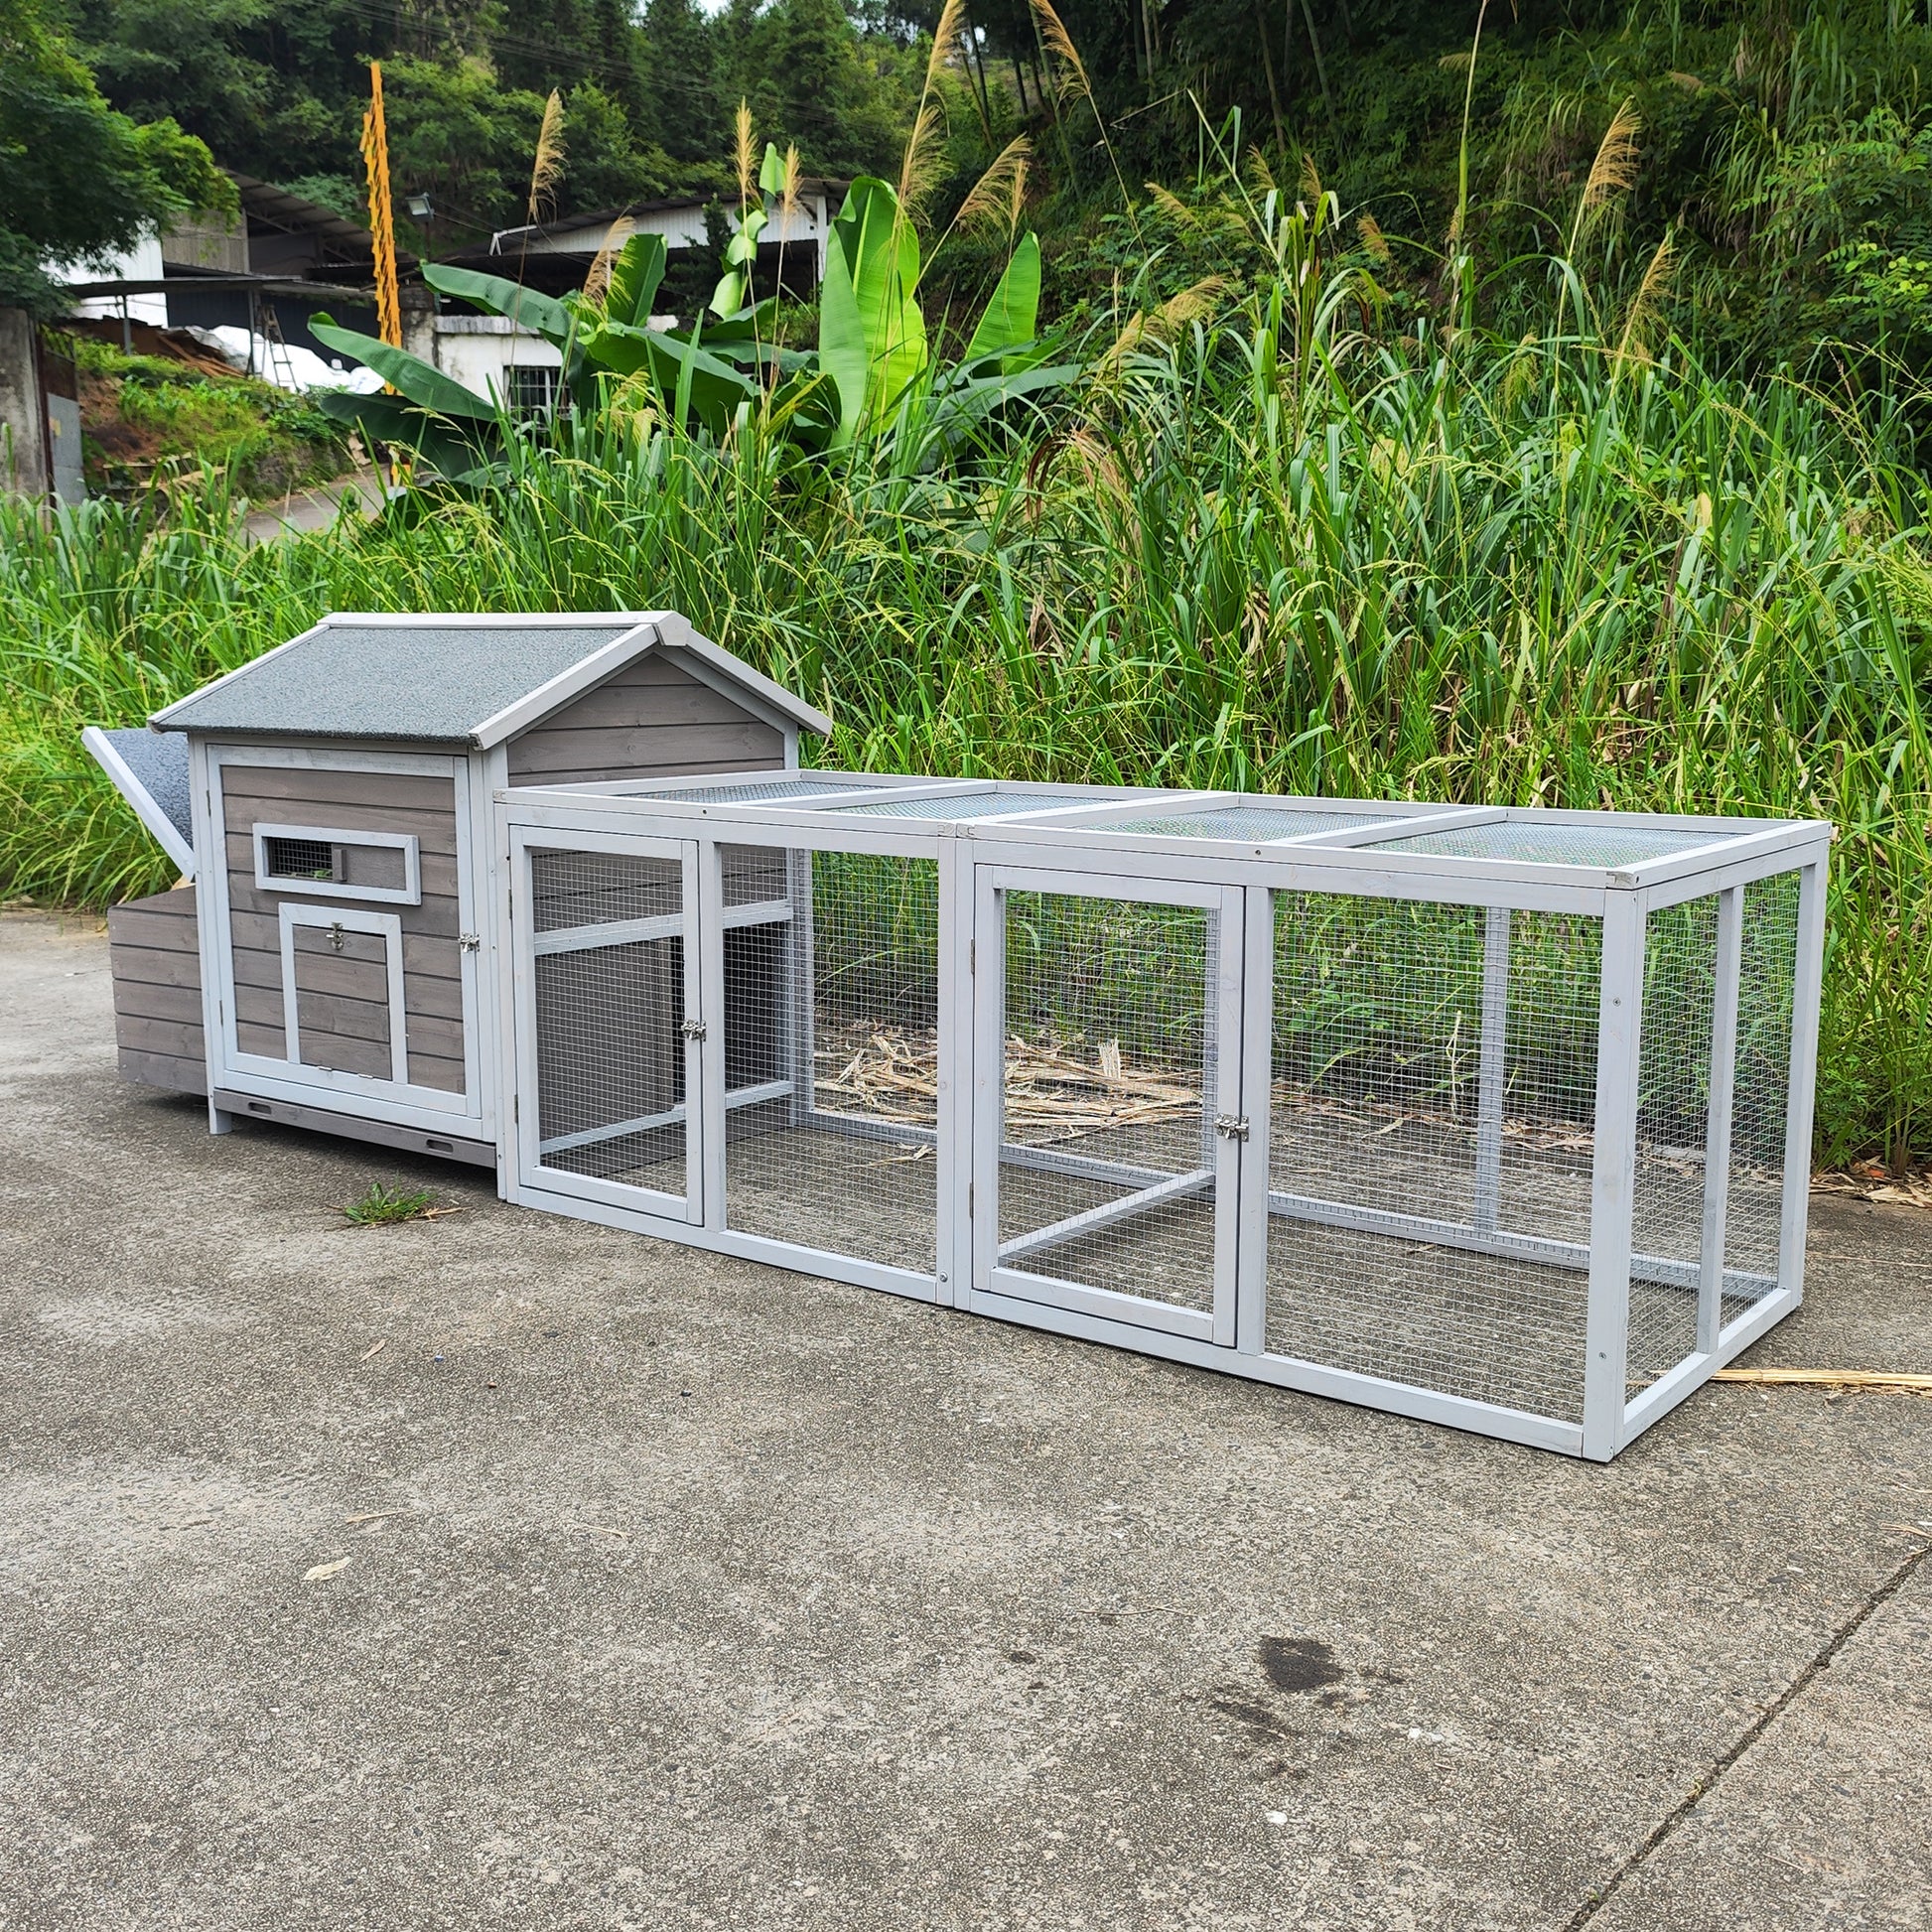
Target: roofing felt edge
637 633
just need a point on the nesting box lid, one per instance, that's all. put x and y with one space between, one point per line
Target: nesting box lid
454 678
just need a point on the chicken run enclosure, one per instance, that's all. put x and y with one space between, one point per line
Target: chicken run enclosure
1498 1118
1494 1117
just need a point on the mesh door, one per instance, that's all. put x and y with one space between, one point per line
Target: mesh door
832 1051
342 1001
1431 1141
609 1000
1107 1151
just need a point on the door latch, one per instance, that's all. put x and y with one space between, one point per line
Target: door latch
469 942
335 936
693 1029
1231 1127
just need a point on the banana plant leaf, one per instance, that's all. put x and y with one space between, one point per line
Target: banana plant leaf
635 277
677 366
1010 321
470 459
530 308
428 388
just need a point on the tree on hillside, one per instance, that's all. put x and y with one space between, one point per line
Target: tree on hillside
688 117
812 58
77 180
604 163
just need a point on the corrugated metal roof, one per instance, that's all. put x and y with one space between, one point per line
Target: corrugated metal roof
432 680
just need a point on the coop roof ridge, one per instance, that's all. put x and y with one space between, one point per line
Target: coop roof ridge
457 678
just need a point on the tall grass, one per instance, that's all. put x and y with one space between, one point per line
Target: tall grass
1274 552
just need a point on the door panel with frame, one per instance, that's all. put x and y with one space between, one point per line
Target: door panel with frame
609 1022
1112 1011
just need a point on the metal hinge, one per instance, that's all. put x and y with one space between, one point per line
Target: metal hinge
969 1200
693 1029
469 942
972 956
1231 1127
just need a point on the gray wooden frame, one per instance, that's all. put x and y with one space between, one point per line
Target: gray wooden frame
1051 844
230 1071
385 925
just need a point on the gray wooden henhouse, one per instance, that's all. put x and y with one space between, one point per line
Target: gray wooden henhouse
328 959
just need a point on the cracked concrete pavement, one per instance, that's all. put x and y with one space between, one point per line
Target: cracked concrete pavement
667 1590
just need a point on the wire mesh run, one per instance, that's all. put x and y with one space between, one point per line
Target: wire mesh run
1432 1130
610 999
1606 846
1107 1175
832 1052
1673 1127
1761 1092
1252 824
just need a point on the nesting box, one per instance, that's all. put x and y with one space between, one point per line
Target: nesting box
328 962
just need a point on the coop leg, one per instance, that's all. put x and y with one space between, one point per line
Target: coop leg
1492 1067
219 1120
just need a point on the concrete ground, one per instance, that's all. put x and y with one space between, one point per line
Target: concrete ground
503 1570
307 510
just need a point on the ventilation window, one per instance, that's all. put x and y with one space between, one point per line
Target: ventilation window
302 859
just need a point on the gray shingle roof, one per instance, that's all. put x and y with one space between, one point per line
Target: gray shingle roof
433 682
151 773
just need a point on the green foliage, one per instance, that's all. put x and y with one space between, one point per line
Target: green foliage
383 1206
78 181
258 439
1271 550
871 371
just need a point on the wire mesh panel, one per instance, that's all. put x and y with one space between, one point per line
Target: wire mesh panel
1760 1091
1672 1125
1603 845
1109 1169
609 1017
832 1051
1429 1145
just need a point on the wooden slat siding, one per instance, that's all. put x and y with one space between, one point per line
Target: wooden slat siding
652 691
347 802
154 954
428 956
375 797
435 1037
151 966
267 1043
434 1043
145 1000
164 1070
648 720
350 1035
436 998
644 752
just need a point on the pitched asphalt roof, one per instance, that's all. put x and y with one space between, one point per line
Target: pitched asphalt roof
435 678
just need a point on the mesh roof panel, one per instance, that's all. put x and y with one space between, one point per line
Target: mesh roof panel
1253 824
749 793
976 804
1606 846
